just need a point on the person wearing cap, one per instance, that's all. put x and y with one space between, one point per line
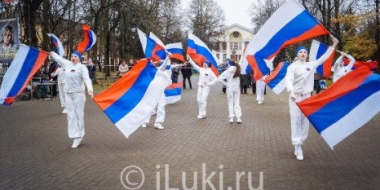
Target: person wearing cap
76 78
300 82
339 69
160 113
232 76
206 79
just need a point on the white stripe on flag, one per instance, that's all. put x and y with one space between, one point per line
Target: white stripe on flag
355 119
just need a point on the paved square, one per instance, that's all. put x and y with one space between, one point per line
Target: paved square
209 153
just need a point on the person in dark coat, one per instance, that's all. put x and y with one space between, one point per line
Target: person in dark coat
52 67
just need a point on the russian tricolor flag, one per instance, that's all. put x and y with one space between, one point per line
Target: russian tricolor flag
199 52
26 63
276 80
371 64
173 93
152 49
317 49
345 106
176 51
57 44
89 39
130 100
290 24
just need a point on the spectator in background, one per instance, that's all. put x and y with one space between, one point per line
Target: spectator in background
186 74
317 78
131 63
175 72
123 68
91 69
253 82
244 83
53 79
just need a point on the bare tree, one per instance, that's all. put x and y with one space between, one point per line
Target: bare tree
206 19
261 10
170 21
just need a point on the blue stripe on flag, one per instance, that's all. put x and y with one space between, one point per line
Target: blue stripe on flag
173 92
25 71
202 51
335 110
280 76
133 96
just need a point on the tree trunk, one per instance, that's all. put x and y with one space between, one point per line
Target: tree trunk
377 38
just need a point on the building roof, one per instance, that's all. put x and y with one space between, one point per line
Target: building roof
238 26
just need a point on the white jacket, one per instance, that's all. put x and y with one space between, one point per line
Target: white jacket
206 75
76 75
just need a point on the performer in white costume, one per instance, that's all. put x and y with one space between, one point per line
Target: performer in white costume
260 89
339 69
160 111
61 82
299 83
76 78
232 75
206 79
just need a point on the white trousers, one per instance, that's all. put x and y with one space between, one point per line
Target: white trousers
61 95
260 87
160 117
298 121
202 99
233 99
75 114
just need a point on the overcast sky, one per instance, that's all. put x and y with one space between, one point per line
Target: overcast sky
236 11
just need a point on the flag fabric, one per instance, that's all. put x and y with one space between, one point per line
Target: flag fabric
371 64
151 48
317 49
89 39
345 106
200 53
290 24
276 80
176 51
57 44
8 1
173 93
130 100
26 63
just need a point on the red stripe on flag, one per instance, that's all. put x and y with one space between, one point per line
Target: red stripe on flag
257 73
343 86
174 85
274 74
318 30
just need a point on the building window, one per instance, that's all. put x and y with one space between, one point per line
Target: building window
235 45
224 56
235 34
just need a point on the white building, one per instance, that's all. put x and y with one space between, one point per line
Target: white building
233 42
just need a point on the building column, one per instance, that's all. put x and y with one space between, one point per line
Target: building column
228 51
